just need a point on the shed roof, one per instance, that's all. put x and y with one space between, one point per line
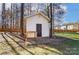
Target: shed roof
39 13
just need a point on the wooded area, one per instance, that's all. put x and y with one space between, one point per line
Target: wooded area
35 29
12 17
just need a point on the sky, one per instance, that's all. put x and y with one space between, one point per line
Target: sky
72 14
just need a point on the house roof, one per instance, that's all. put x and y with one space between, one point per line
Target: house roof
71 23
39 13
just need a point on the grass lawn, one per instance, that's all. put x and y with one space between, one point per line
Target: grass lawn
71 35
72 44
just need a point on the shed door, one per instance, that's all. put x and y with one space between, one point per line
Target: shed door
39 30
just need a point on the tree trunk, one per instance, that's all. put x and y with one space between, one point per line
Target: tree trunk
22 21
48 11
11 17
3 15
53 21
50 20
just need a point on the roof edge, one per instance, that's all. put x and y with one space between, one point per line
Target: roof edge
39 13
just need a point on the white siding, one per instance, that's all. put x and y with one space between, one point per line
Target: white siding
63 27
32 21
70 27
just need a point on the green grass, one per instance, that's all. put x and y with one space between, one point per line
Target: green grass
71 46
71 35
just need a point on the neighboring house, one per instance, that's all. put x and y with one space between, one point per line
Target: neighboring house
37 25
57 27
63 27
68 26
72 26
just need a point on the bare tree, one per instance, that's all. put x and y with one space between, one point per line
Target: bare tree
51 20
22 21
3 15
11 17
55 13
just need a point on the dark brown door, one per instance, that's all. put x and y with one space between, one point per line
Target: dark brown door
39 30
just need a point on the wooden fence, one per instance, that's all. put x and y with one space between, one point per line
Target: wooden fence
56 30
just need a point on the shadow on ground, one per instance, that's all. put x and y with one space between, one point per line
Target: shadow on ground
65 46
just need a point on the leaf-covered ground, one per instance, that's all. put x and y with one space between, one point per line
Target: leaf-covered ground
11 45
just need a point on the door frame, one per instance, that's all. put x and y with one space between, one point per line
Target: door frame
39 30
